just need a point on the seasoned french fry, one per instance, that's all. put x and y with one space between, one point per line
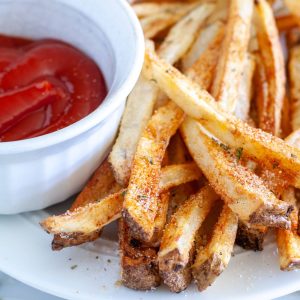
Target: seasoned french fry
149 9
85 220
99 186
273 61
176 250
198 104
294 72
138 262
294 8
233 54
286 22
241 189
140 204
214 257
205 38
245 90
174 46
288 241
171 50
202 71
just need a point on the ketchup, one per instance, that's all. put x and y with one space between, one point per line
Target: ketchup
45 86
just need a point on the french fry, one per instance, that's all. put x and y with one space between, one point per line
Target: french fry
205 38
294 8
86 220
140 203
202 71
294 75
241 189
173 48
288 241
199 104
286 22
245 89
273 61
101 184
214 257
176 250
138 262
220 13
143 10
233 54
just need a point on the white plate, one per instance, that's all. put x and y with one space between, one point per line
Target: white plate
25 254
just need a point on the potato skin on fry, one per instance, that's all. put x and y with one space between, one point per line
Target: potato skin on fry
139 264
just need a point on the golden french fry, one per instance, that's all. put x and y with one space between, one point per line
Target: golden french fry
245 89
242 190
294 75
233 54
176 250
273 62
199 104
205 38
214 257
101 184
177 42
140 203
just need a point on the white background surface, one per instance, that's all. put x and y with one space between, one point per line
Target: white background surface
11 289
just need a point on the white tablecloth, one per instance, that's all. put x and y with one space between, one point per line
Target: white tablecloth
11 289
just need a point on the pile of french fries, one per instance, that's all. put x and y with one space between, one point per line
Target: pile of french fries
207 153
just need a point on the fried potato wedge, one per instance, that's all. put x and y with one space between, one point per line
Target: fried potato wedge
173 47
84 221
212 259
138 262
242 190
242 108
273 61
294 75
199 104
140 203
101 184
205 37
176 250
233 54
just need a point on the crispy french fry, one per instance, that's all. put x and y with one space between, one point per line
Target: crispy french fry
136 115
202 71
241 189
85 220
288 241
176 250
214 257
294 8
205 38
99 186
294 72
172 49
273 61
286 22
140 203
199 104
143 10
233 54
245 90
138 262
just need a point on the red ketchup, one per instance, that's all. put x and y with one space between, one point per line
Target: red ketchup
45 86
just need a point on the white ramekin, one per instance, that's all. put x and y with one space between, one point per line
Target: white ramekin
42 171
